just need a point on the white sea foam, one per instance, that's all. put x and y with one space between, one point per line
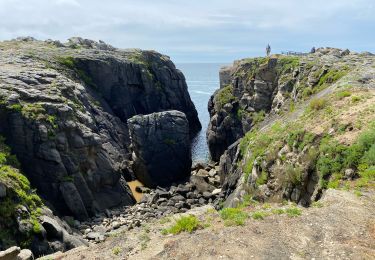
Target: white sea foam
201 92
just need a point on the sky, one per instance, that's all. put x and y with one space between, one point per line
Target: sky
197 30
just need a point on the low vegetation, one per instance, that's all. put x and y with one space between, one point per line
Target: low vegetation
233 216
72 64
224 96
322 154
184 224
19 195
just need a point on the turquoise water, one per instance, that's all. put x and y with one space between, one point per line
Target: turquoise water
202 80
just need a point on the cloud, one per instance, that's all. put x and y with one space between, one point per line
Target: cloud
196 29
68 2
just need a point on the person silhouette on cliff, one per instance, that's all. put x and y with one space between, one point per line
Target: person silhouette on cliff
268 50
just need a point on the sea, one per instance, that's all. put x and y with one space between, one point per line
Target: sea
202 80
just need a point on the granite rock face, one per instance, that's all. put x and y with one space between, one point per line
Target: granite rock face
253 88
64 111
161 147
278 95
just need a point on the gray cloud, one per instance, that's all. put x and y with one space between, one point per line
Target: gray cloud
210 30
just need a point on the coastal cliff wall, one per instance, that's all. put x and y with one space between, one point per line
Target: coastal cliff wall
64 111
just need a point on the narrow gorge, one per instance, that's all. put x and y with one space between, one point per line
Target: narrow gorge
96 155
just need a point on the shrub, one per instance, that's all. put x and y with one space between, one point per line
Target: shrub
19 194
233 216
262 179
258 116
332 76
317 104
16 107
294 174
355 99
67 61
116 250
343 94
184 224
287 64
224 96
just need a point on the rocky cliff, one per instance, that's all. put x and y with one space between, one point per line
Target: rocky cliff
304 121
64 111
254 87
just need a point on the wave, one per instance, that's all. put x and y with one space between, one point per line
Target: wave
201 92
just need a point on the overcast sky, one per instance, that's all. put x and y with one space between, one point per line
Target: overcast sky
197 30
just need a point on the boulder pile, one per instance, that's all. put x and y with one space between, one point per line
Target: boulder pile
202 189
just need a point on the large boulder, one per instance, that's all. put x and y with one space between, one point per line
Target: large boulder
161 147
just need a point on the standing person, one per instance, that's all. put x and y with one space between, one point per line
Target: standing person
268 49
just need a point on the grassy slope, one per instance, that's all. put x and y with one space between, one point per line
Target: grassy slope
21 202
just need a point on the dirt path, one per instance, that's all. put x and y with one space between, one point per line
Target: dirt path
342 227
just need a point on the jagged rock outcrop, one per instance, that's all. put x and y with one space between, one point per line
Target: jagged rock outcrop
288 156
64 111
253 88
161 147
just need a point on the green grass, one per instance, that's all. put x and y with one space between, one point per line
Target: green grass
293 212
224 96
184 224
16 107
317 204
71 63
116 250
332 76
67 61
317 104
258 116
233 216
343 94
258 144
355 99
259 215
262 179
278 211
287 64
19 194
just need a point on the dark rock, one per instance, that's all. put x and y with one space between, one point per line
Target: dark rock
177 198
54 230
81 102
3 190
202 201
161 147
198 166
162 193
201 184
142 189
183 190
207 195
190 195
161 200
73 200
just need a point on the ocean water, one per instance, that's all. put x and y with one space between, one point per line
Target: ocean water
202 80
